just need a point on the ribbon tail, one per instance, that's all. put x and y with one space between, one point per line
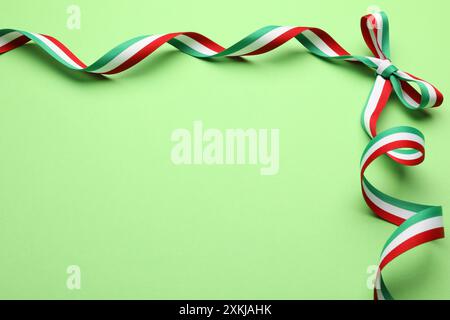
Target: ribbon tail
424 226
11 39
375 103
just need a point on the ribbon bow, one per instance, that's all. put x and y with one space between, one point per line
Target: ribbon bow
405 145
375 30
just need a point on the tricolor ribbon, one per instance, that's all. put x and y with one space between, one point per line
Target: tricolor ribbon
405 145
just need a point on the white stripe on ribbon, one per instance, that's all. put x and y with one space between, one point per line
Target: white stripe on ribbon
127 54
319 43
406 156
391 138
57 51
373 101
409 100
396 211
378 26
7 38
380 295
431 91
195 45
419 227
262 41
376 61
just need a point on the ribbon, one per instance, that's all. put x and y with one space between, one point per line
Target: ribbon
405 145
417 223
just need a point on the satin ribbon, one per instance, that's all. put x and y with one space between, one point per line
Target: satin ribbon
405 145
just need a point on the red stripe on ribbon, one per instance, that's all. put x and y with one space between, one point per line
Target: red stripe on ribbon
65 50
412 242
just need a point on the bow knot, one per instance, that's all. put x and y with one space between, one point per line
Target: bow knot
386 69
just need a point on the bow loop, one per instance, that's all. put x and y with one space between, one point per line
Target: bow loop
425 96
375 30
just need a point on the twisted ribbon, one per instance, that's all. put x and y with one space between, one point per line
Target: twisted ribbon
405 145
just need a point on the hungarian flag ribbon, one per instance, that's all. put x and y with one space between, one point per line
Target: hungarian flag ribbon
405 145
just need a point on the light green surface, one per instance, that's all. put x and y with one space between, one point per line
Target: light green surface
86 177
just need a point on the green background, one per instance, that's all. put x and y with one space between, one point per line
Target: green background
86 177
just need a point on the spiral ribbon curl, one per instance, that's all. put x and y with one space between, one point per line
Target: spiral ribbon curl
405 145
